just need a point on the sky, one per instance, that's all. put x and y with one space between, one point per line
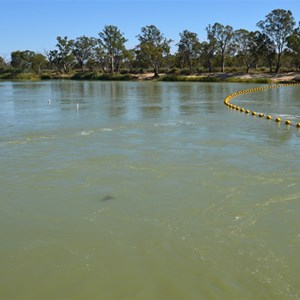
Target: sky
35 24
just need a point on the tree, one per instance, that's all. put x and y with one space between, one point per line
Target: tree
38 63
153 47
223 36
112 41
3 64
245 41
83 49
22 60
100 57
264 48
188 48
294 45
54 60
28 61
129 58
64 56
208 50
278 26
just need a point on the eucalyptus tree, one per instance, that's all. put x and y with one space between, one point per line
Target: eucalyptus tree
27 61
278 26
63 58
3 64
264 49
245 43
294 45
129 58
22 60
208 50
54 60
83 48
100 58
91 64
223 37
255 47
153 47
112 41
38 63
189 48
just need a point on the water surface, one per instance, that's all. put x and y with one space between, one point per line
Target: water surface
147 191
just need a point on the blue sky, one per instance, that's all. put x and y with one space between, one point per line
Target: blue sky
35 24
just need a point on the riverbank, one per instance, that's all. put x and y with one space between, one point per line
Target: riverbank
235 77
286 77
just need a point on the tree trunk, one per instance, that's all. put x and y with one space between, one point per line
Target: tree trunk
117 66
270 66
190 63
223 63
156 71
112 66
191 69
209 65
278 63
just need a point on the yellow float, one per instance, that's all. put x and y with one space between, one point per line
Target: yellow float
247 111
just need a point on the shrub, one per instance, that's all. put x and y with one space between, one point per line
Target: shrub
84 75
136 71
185 71
118 77
201 70
124 71
203 79
233 70
171 78
263 69
174 71
26 76
45 76
249 80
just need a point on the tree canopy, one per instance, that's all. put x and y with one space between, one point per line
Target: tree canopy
189 48
113 42
153 47
275 45
278 26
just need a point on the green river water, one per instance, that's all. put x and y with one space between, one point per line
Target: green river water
148 191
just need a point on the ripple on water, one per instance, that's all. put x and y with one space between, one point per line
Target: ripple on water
182 201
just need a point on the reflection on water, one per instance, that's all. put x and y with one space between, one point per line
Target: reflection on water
148 190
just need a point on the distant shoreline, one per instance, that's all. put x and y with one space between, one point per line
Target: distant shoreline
259 77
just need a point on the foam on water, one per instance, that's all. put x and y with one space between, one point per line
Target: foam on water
86 132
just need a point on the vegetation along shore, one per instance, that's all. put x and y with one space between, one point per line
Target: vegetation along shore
270 54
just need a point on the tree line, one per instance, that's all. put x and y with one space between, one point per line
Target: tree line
274 46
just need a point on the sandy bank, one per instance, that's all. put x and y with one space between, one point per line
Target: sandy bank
272 77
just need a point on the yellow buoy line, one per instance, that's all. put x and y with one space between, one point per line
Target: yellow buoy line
253 113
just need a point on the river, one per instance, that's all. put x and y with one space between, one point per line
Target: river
148 190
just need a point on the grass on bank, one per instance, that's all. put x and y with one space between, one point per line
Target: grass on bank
10 75
213 77
249 80
102 76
